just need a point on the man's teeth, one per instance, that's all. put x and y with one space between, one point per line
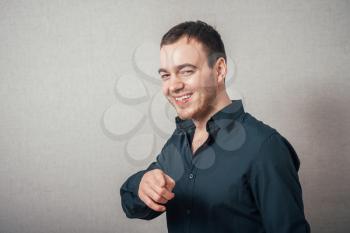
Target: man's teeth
183 97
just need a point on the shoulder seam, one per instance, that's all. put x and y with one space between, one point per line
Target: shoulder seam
267 138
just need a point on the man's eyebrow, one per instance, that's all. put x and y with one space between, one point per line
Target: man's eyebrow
179 67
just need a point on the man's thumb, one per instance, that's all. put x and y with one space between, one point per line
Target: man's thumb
170 183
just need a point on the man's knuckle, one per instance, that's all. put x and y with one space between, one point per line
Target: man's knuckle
155 206
161 181
149 202
161 192
158 198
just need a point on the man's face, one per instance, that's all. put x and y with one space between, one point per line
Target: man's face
187 81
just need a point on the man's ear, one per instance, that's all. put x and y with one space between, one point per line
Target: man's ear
221 69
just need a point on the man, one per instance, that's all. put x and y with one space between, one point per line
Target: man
221 170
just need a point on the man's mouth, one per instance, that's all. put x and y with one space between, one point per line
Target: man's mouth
183 99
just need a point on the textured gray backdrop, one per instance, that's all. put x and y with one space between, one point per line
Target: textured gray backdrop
78 92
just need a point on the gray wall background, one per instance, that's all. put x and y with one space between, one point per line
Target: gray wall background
79 91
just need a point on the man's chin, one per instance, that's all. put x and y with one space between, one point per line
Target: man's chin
184 116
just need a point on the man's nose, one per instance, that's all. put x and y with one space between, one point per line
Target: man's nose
176 84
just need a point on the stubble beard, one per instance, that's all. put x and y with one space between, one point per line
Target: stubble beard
206 104
200 107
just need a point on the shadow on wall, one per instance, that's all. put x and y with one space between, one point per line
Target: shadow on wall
326 162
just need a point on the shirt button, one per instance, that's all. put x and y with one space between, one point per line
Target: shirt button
190 176
188 211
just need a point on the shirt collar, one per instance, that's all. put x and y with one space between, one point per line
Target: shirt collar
220 119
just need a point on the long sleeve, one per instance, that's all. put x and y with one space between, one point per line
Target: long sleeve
132 205
276 187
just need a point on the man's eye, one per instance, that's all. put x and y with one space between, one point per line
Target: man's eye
186 72
164 76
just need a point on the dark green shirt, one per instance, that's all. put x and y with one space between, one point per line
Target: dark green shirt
243 179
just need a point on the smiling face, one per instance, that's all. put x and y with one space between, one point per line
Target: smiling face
188 83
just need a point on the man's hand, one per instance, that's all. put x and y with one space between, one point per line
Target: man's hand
155 189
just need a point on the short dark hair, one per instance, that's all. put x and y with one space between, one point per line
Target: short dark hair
203 33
